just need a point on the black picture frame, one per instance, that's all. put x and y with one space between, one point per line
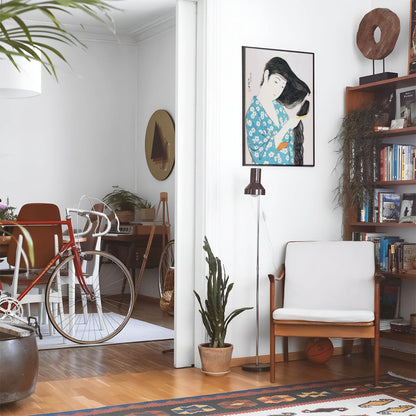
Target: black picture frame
412 38
267 140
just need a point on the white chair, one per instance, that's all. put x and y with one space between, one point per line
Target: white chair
330 289
90 240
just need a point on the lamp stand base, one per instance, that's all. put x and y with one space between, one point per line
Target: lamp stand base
254 367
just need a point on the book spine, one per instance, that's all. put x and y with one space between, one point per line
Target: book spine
414 164
389 162
382 166
395 162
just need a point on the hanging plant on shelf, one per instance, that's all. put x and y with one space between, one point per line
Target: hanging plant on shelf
358 156
34 41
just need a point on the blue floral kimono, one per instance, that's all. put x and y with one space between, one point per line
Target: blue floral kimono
260 132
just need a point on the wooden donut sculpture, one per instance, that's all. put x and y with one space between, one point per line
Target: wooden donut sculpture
389 25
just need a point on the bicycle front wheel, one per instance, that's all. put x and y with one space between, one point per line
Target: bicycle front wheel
98 312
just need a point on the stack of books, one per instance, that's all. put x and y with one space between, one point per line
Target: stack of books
397 162
389 206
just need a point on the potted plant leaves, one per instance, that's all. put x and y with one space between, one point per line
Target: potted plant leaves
6 214
123 202
145 211
216 354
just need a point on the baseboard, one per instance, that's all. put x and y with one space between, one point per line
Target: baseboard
149 298
405 356
293 356
300 355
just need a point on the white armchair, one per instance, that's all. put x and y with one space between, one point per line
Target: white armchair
330 289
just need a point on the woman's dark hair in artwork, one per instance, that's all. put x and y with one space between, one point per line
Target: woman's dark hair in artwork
294 93
296 90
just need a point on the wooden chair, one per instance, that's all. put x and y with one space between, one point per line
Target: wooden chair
330 289
46 241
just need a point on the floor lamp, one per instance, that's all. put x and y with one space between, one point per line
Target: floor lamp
256 189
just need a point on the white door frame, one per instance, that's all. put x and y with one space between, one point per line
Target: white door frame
196 136
185 181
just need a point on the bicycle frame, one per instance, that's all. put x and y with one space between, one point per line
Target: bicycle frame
70 245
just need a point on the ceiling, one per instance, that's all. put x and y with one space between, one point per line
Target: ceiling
132 16
139 14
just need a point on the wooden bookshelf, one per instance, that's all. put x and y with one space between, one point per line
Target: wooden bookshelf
358 224
381 184
360 97
407 131
405 275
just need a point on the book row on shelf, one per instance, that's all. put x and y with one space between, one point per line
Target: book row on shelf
392 253
397 162
386 206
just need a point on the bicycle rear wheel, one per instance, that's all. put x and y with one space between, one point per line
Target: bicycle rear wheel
84 319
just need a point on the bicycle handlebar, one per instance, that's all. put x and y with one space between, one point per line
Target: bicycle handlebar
87 214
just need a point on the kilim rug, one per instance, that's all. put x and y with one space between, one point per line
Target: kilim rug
349 397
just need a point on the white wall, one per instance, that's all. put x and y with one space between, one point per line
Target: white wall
299 201
97 114
78 136
155 91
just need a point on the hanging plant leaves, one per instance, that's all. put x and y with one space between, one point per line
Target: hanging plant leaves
358 156
32 41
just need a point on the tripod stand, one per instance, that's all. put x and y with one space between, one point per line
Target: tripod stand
163 229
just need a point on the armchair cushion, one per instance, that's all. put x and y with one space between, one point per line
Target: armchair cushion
323 315
338 273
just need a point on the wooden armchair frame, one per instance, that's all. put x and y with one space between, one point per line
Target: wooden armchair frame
298 328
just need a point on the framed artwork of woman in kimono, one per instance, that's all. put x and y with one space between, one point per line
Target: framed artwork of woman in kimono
278 107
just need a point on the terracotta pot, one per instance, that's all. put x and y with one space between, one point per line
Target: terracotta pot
215 361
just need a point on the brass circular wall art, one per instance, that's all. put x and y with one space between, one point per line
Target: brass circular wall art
160 144
389 25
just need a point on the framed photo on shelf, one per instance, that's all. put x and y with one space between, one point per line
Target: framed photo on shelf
406 105
408 208
412 38
389 207
278 107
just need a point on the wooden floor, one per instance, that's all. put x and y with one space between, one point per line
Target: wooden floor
88 377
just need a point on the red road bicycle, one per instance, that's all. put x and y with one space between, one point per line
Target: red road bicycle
89 295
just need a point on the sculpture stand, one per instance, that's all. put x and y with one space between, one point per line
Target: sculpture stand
381 76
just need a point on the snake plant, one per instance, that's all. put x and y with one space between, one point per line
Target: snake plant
218 289
34 41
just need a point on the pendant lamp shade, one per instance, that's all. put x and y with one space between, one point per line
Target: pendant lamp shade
22 83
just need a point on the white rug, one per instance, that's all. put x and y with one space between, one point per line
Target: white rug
134 331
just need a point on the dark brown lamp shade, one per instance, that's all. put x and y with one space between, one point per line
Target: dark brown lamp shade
255 187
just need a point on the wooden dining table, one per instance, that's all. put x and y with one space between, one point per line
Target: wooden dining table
131 248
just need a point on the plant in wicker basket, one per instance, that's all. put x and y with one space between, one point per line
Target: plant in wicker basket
124 203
